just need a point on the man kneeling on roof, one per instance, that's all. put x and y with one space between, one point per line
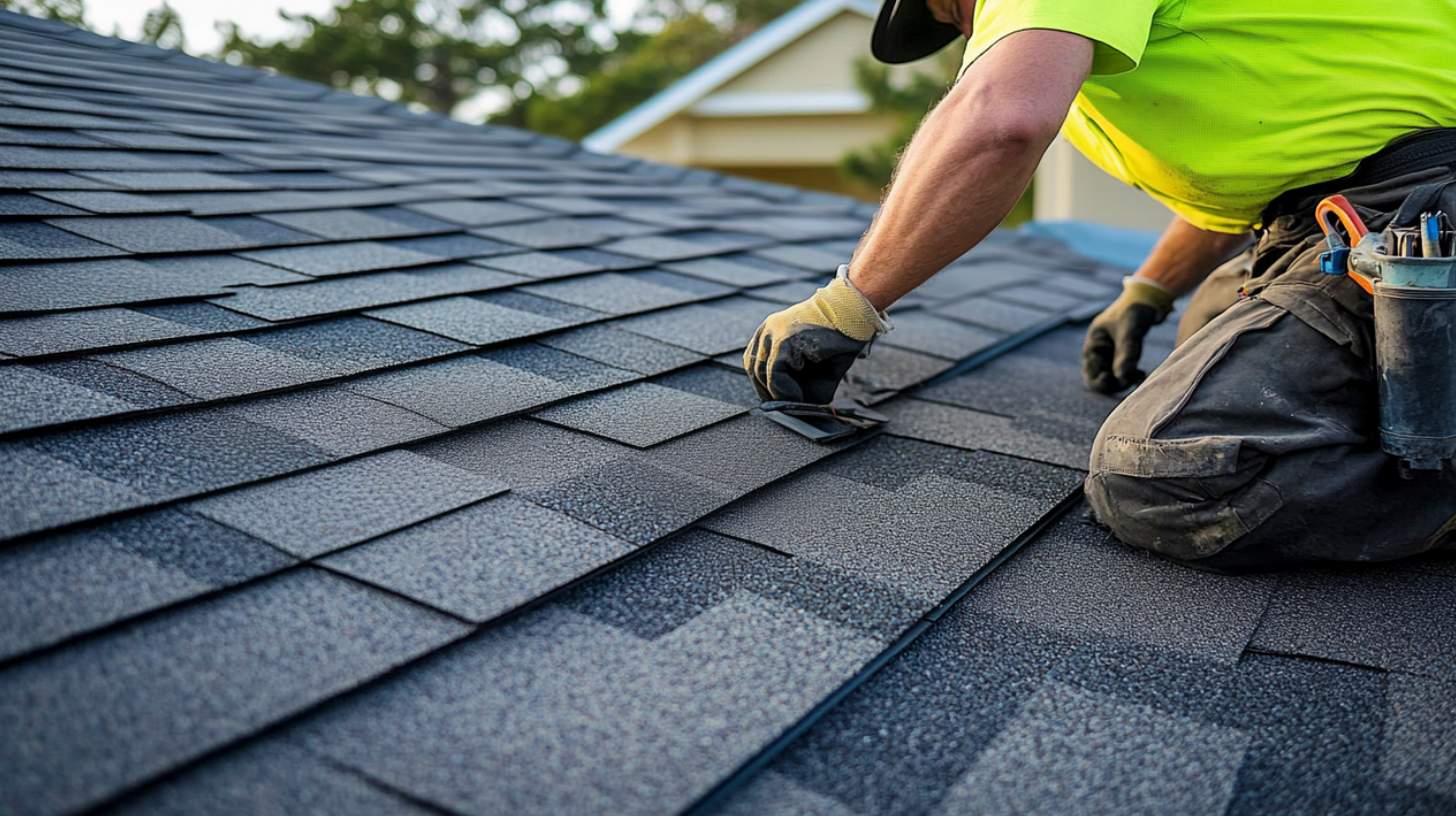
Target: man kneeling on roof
1256 444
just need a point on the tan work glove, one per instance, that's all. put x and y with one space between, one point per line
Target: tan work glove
801 353
1115 338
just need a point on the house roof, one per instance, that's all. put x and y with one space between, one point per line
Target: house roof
717 72
356 461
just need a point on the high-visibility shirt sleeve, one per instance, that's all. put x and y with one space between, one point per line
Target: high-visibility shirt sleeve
1118 29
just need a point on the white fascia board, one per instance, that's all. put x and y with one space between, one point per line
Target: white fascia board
789 103
682 94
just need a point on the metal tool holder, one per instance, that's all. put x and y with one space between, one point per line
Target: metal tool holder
1415 352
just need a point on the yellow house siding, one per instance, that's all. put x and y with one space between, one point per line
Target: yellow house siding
821 60
759 141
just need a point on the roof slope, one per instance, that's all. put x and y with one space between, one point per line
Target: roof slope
354 461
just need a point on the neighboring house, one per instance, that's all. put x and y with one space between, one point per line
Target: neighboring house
783 105
354 461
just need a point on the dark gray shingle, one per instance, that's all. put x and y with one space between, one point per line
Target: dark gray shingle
483 560
90 714
66 584
323 510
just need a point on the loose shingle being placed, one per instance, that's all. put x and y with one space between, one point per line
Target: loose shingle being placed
241 322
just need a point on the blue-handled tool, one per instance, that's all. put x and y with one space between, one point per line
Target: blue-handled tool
1336 214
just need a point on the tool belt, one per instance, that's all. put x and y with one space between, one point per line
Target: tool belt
1419 150
1410 271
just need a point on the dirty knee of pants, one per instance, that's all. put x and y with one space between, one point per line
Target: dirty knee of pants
1183 498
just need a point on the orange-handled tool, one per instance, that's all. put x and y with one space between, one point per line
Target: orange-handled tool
1337 213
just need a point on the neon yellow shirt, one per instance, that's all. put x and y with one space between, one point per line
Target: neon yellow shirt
1214 107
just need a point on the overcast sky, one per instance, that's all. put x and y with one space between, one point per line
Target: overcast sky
200 17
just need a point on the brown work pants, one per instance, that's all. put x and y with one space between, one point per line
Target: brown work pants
1256 444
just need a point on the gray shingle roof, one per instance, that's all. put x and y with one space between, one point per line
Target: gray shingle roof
359 461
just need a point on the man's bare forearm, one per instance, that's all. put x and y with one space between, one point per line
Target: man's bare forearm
970 161
1185 255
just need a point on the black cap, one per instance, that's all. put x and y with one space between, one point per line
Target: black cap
906 31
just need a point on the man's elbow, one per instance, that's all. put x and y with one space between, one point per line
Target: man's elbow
1008 127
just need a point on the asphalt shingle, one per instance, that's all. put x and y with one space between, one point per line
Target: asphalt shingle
78 331
359 225
62 585
1077 580
90 714
1418 750
632 499
27 241
976 430
365 291
160 233
339 422
509 451
559 713
641 415
271 776
40 492
85 284
994 314
324 510
1391 619
1065 752
469 320
612 346
221 367
355 344
615 293
709 328
224 270
461 391
179 454
484 560
476 213
33 399
341 259
139 391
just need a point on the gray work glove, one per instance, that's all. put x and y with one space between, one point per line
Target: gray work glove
801 353
1115 338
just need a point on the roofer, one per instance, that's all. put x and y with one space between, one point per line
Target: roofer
1256 444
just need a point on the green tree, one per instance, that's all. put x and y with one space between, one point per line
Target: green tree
872 167
628 78
907 101
66 11
163 27
440 52
636 71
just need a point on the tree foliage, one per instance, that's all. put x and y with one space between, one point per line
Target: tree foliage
907 102
629 78
632 75
65 11
558 66
163 27
441 52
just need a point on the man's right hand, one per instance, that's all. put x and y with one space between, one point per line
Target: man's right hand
801 353
1115 339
